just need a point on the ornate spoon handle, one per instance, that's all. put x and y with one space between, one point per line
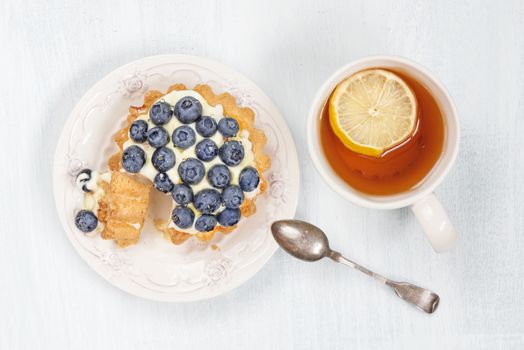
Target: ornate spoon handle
424 299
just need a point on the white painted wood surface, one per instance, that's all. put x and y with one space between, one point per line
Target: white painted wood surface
53 51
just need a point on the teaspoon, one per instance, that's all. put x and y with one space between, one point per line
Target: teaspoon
307 242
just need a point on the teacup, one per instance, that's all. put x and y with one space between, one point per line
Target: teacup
424 204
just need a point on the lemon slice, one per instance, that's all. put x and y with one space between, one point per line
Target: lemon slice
372 111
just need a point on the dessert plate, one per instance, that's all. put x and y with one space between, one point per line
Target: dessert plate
154 268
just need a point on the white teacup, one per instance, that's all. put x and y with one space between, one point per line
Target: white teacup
427 208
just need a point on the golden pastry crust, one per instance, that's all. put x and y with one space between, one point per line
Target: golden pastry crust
245 118
123 208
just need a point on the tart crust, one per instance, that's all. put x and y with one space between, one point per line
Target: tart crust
245 118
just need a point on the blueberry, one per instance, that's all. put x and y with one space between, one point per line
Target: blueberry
86 221
133 159
219 176
231 152
206 150
184 137
228 127
157 137
160 113
183 217
188 109
191 171
229 217
206 126
182 194
232 197
207 201
163 159
206 223
138 131
163 183
248 179
83 178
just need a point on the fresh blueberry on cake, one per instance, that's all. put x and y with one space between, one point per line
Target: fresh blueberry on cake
206 126
163 159
232 197
219 176
231 152
157 137
133 159
188 109
228 127
206 150
248 179
184 137
163 183
138 131
160 113
191 171
229 217
182 194
207 201
206 223
199 147
183 217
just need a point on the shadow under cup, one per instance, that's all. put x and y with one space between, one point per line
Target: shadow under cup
432 178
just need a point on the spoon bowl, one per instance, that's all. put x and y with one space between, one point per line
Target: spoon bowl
301 239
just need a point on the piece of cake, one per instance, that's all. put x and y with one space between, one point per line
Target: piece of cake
199 148
120 202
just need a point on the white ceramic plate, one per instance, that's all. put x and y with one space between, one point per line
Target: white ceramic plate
155 268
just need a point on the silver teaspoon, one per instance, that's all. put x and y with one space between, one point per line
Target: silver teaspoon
307 242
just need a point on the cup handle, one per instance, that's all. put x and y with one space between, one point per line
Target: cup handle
435 223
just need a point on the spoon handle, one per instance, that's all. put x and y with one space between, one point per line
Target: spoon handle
336 256
422 298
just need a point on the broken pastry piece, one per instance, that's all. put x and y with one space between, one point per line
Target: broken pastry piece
115 204
127 203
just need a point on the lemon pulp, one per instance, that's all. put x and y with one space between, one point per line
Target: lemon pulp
372 111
